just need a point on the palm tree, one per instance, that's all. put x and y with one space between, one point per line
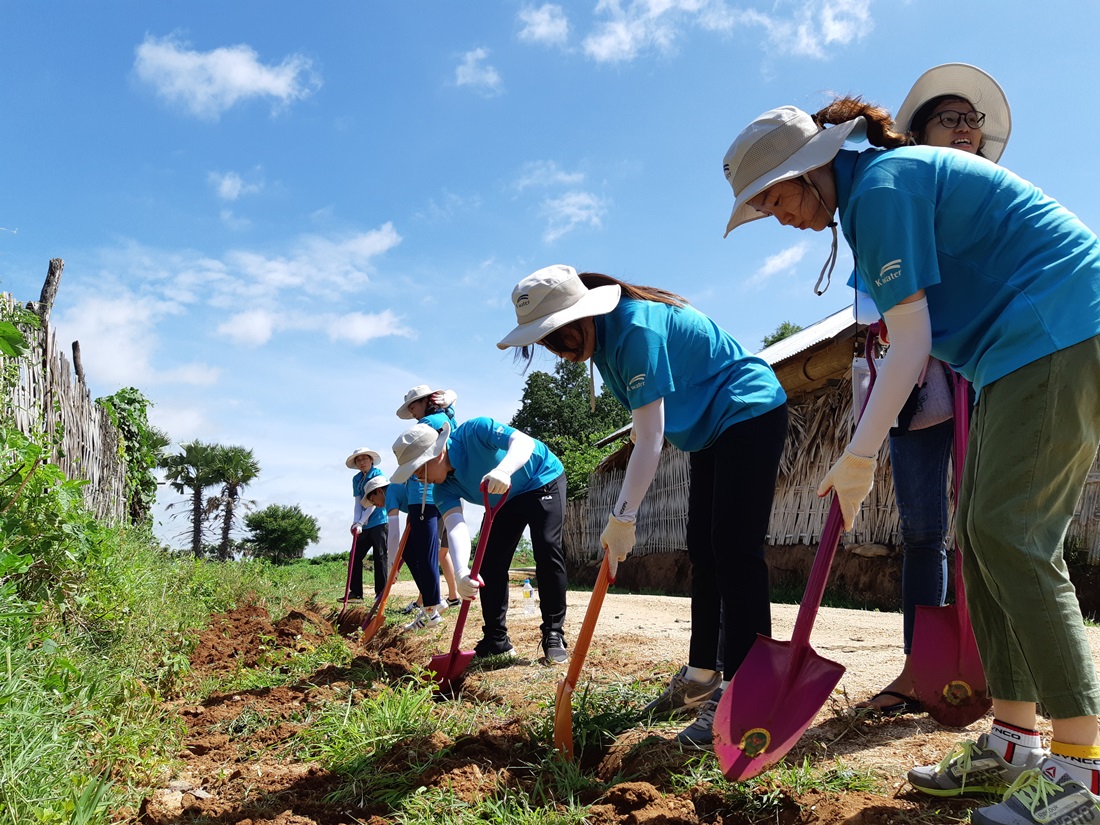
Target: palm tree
235 468
192 471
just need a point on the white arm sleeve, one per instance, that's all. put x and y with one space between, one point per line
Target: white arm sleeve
910 331
357 514
649 431
393 539
520 447
458 537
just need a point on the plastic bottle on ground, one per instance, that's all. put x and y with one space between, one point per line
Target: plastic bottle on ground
528 598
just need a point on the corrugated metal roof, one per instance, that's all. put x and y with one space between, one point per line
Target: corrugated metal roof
824 330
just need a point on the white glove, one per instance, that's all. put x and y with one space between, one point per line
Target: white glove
356 528
852 478
468 587
617 540
443 398
497 482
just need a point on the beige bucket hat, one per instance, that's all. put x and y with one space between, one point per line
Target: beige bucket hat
415 447
779 145
552 297
970 83
415 394
375 457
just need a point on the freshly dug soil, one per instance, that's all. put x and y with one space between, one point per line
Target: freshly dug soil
237 768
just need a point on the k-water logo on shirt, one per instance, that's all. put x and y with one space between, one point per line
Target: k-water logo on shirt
637 382
888 273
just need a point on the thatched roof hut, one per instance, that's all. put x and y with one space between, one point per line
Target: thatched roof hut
814 367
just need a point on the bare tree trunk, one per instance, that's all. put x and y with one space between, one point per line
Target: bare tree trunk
49 290
78 365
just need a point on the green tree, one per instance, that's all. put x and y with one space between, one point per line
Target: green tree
234 468
142 448
784 330
556 409
192 472
280 533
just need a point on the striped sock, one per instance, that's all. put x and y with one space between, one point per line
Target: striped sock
1014 744
1081 762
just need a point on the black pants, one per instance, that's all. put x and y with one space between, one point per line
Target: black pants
422 551
371 537
729 506
543 510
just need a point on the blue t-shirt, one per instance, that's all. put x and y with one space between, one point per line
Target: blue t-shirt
1010 274
437 419
476 447
647 350
397 498
358 482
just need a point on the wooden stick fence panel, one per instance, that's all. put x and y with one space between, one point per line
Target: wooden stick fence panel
45 398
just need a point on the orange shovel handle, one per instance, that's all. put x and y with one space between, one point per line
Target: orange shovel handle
377 615
563 700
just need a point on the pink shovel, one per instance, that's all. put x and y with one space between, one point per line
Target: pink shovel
447 668
780 686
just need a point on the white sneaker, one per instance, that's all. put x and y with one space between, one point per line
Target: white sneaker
425 618
411 607
1043 795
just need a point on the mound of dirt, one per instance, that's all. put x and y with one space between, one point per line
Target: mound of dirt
239 768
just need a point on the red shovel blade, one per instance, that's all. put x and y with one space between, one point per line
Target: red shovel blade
948 677
774 697
447 668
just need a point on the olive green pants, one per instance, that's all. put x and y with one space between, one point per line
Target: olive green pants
1033 439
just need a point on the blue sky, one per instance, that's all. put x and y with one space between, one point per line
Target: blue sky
277 217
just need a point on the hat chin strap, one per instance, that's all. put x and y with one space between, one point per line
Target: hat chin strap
826 273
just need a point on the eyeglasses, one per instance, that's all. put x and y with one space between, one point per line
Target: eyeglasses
949 119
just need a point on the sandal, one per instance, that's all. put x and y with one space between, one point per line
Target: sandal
904 705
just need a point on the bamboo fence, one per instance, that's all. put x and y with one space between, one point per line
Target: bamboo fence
818 432
45 400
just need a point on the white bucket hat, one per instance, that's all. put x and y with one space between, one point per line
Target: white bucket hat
373 484
415 447
779 145
362 451
415 394
969 83
552 297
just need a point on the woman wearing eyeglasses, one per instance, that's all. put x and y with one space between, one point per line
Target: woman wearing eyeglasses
978 267
938 111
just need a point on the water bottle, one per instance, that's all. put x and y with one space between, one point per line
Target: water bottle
528 598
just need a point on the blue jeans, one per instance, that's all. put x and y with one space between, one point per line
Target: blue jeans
919 461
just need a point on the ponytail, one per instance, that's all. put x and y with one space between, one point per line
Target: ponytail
880 124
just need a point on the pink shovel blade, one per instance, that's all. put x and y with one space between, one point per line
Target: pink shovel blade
948 677
447 668
756 723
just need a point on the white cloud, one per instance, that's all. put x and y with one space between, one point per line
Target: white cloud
316 265
231 185
234 221
118 339
206 84
813 27
250 328
256 327
626 31
546 173
571 210
779 263
474 72
546 24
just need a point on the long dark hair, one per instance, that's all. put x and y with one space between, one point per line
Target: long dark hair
630 292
